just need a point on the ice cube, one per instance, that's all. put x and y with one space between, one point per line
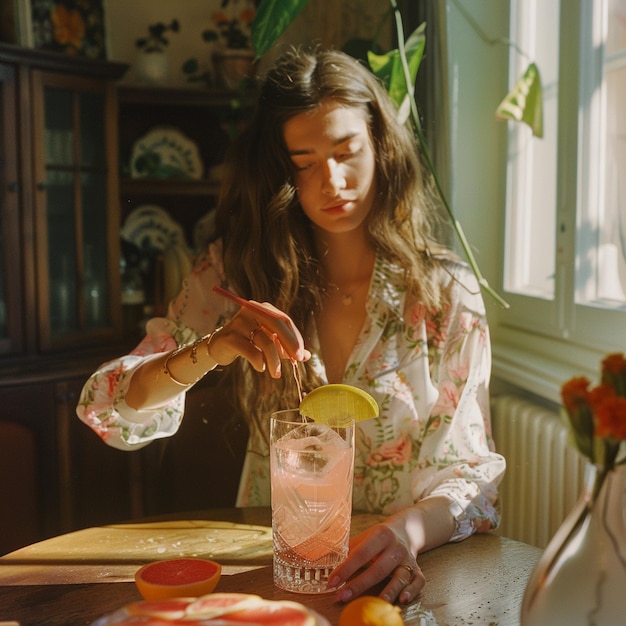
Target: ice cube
325 435
318 442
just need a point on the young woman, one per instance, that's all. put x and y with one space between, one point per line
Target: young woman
324 219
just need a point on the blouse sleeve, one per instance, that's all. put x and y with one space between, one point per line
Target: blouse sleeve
457 457
195 312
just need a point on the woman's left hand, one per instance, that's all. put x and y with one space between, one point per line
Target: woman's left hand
385 554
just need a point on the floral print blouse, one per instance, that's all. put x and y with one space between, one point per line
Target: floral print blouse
429 373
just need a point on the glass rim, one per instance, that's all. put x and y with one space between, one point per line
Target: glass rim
343 421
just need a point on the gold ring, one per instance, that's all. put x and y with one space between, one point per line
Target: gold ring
409 569
253 333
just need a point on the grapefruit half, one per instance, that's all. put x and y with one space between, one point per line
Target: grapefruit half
177 578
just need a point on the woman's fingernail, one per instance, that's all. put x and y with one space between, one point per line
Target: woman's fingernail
344 595
333 581
404 597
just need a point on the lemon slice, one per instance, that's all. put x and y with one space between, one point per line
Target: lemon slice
328 402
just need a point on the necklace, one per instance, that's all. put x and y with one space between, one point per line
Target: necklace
347 298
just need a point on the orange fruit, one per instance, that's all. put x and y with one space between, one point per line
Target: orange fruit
370 611
177 578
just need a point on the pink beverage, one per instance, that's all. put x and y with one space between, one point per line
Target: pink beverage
312 468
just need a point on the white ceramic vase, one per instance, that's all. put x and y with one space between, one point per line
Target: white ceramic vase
152 68
580 579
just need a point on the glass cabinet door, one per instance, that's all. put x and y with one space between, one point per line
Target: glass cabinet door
10 267
77 289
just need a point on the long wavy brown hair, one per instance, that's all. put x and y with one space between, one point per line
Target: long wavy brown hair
269 253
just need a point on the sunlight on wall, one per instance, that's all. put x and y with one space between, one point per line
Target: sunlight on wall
478 82
328 21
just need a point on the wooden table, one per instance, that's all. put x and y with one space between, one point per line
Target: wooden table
73 579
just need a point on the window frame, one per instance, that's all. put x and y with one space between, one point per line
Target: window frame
540 343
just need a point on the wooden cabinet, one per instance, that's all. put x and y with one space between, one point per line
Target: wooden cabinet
60 313
205 120
97 484
67 137
79 481
11 273
59 278
75 209
201 465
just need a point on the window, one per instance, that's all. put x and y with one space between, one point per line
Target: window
565 233
601 224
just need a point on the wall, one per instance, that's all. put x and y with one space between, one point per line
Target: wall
129 20
478 81
328 21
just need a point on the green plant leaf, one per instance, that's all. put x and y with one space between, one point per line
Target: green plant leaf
388 67
271 21
524 103
191 66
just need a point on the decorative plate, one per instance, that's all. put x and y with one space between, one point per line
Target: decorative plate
164 152
151 229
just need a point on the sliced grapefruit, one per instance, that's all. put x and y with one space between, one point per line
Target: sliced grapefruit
177 578
174 608
329 402
171 609
221 609
134 620
219 604
273 613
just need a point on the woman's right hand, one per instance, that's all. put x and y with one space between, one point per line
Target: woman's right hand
263 339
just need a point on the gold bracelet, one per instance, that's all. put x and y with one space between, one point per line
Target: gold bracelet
173 378
194 349
207 341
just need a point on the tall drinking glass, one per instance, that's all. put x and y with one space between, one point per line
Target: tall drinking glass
312 467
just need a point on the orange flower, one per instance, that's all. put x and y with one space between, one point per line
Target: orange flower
247 16
232 28
598 416
614 364
600 393
610 417
219 17
614 373
68 26
575 392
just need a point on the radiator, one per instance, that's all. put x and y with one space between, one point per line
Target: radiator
544 471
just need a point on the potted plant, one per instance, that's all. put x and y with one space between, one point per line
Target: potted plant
233 56
151 65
